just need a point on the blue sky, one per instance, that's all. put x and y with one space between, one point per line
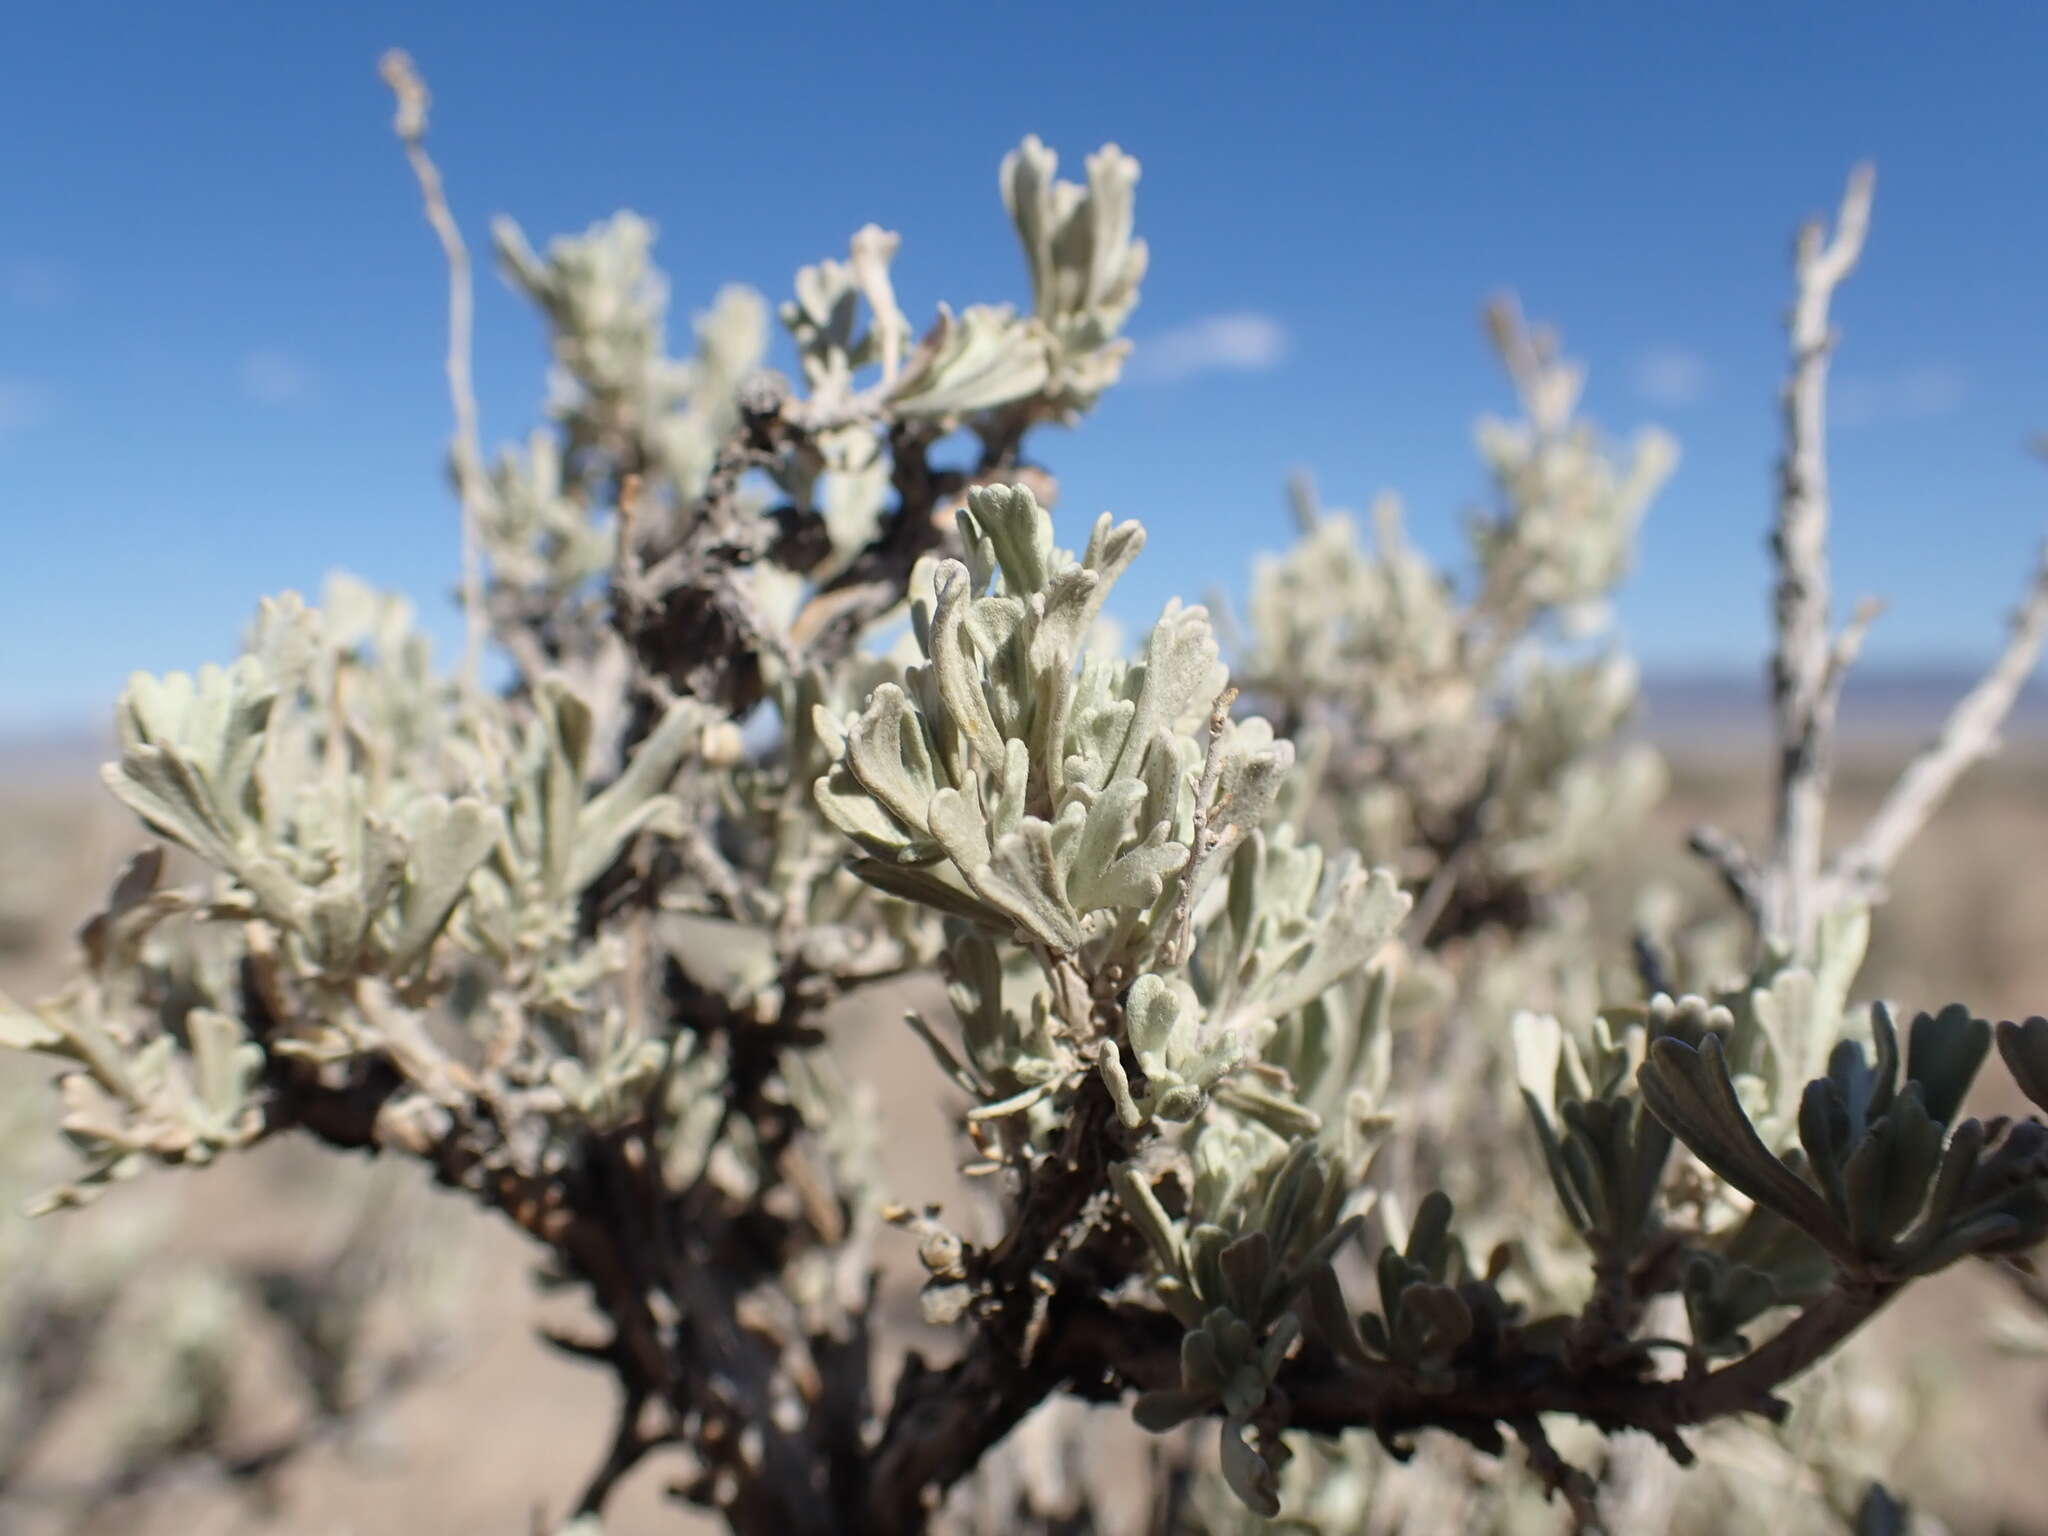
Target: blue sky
221 314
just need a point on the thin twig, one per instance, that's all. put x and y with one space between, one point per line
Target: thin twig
1804 657
1733 863
1455 856
1435 897
1848 645
630 1445
1560 1478
1969 735
465 450
1652 972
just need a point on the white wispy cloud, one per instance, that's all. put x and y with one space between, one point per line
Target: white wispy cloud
1244 341
1672 377
1923 393
24 405
274 377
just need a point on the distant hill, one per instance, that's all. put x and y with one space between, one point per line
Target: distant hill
53 756
1879 708
1696 711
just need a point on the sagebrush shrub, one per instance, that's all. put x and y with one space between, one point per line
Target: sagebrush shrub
1304 1092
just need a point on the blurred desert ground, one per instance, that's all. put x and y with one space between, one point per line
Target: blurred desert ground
502 1430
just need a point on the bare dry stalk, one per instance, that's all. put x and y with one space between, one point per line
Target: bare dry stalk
1970 734
465 450
1785 894
1803 662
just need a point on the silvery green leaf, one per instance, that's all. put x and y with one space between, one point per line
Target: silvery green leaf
869 253
1180 1067
1247 1269
227 1063
822 319
998 629
1152 1016
887 753
1333 1317
1070 603
1887 1176
1018 530
333 923
1202 1367
1118 1082
1359 911
1097 736
1979 1235
1269 1108
573 1082
1111 548
1273 1353
1943 1053
1180 667
1026 878
1254 767
605 303
1294 1194
986 357
1181 1102
1105 826
1884 1037
287 640
1085 264
1689 1090
1135 879
1952 1183
1012 789
634 799
958 825
944 1055
1205 1245
188 753
381 856
75 1016
1172 768
23 1030
958 677
446 842
846 803
1250 1478
930 886
1147 1214
1539 1048
564 725
1567 1178
1031 197
830 733
1168 1408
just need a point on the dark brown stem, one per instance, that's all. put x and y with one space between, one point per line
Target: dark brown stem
943 1422
1329 1400
629 1445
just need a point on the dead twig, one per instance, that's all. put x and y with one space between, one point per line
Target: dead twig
465 450
1969 735
1804 667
